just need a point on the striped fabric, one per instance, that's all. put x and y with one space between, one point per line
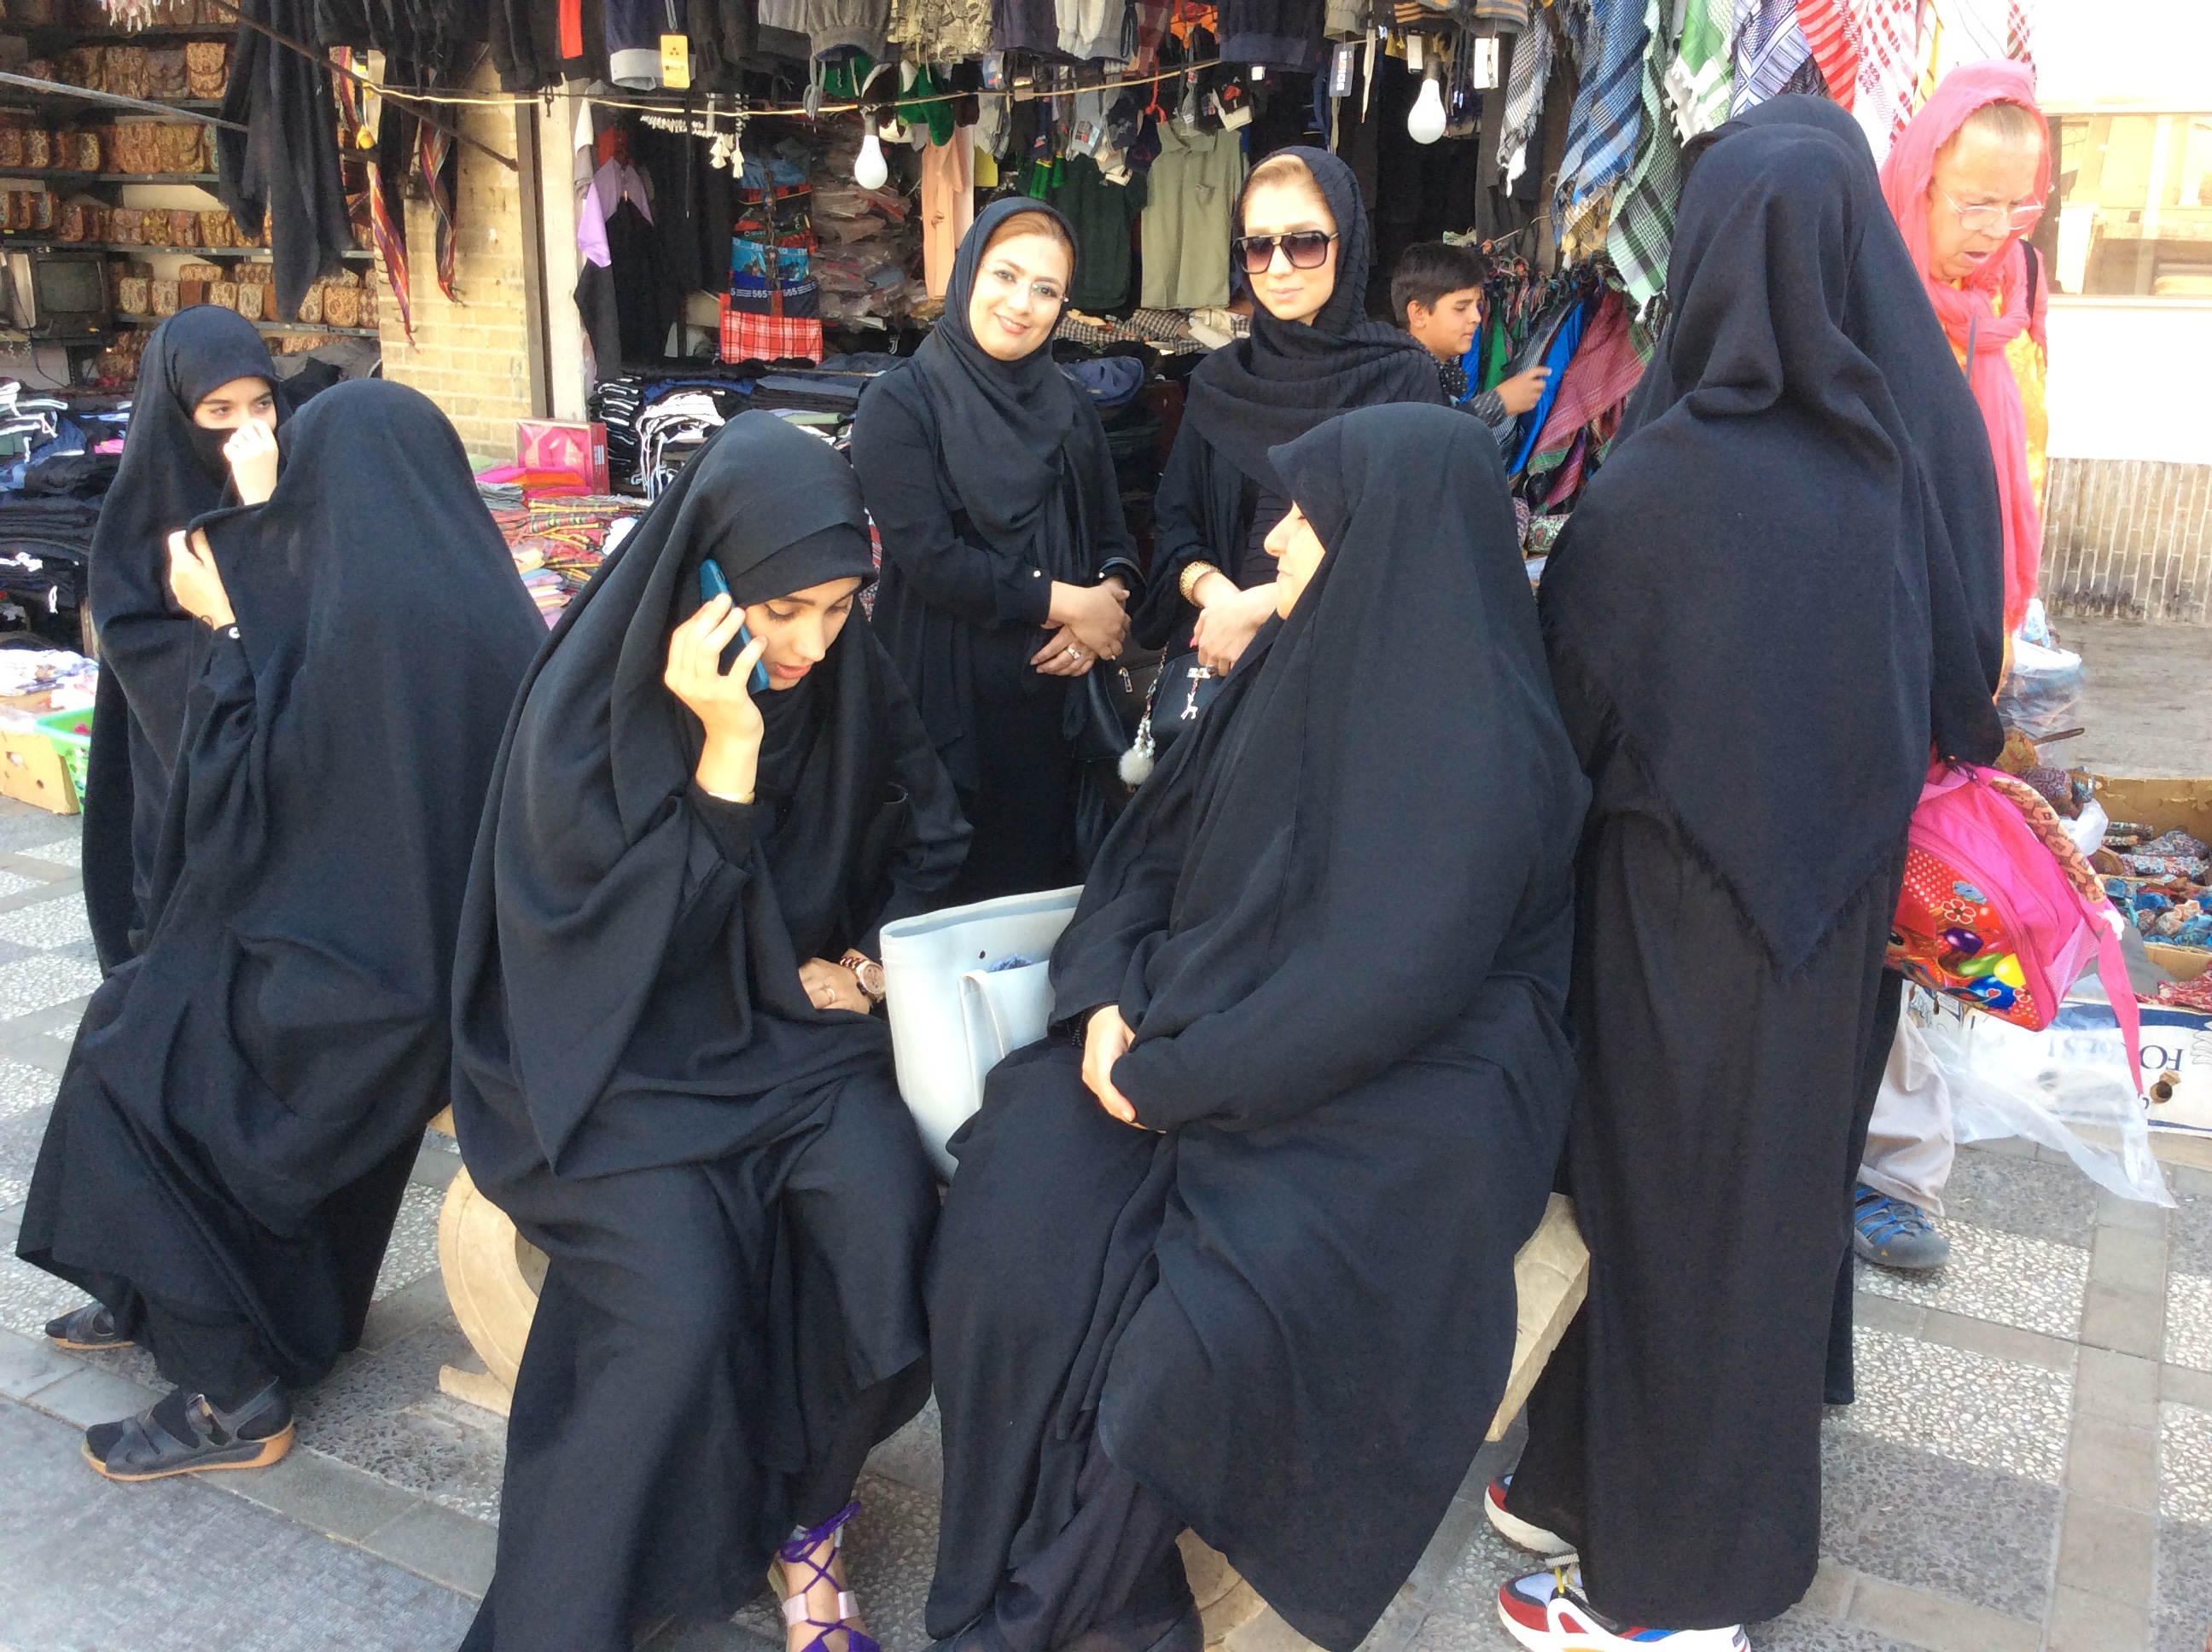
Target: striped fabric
1697 73
1768 49
1889 69
1644 219
1525 80
1604 127
1831 37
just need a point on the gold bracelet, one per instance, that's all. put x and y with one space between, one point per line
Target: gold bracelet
1192 574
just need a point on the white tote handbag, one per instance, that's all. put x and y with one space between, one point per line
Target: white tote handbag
954 1015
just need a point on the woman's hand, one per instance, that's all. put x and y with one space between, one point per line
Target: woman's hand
1523 390
1106 1039
194 582
1227 627
832 986
1093 615
1062 655
252 451
729 764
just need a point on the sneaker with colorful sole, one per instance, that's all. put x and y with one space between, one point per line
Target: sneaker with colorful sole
1545 1612
1547 1546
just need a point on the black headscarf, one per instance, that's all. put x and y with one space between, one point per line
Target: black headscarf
1784 582
1406 694
172 471
289 1015
1288 376
579 1046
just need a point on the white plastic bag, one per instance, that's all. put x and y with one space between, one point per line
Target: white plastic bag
2043 696
2065 1087
953 1015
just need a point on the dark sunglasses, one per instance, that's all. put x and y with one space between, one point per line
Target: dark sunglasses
1306 249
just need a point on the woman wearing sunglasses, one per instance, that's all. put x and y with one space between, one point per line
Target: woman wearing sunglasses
1303 247
1965 182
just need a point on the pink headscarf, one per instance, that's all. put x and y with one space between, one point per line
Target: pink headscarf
1966 312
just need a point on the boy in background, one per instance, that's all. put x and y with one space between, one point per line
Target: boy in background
1436 293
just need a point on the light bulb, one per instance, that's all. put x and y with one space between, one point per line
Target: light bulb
1424 122
869 171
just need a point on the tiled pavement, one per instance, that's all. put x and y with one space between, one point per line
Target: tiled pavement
2029 1464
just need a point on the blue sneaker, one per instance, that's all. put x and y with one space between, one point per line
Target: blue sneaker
1890 1233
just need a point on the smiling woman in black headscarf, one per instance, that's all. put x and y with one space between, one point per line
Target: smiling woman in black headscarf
246 1096
666 1080
1305 246
1781 592
1235 1252
1006 561
206 373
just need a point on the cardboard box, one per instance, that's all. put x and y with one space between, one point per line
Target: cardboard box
31 771
550 445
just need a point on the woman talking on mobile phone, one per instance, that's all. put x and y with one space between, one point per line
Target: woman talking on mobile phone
666 1070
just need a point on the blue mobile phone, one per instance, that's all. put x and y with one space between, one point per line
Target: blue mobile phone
711 585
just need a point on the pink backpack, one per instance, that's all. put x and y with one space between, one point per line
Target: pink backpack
1999 909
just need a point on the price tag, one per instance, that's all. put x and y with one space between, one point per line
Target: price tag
1486 62
676 62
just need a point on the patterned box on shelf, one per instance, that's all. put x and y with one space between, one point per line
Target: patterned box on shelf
164 73
250 298
133 295
37 148
157 228
200 272
82 66
177 147
207 68
11 146
78 152
38 212
190 292
164 297
183 227
224 293
70 225
125 72
218 228
342 306
311 306
97 218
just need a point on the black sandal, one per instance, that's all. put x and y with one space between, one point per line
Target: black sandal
88 1330
185 1434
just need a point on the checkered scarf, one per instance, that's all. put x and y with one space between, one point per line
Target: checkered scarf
1889 69
1698 75
1524 96
1603 129
1769 48
1643 228
1832 36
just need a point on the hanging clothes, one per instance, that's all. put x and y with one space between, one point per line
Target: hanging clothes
1769 48
1284 1308
990 480
1642 227
246 1098
1740 868
1990 313
149 652
1104 215
1602 128
1191 199
948 206
1219 494
731 1194
283 165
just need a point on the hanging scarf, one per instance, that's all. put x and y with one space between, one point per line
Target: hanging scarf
1262 392
1989 309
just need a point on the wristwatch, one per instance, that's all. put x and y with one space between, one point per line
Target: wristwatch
867 972
1192 574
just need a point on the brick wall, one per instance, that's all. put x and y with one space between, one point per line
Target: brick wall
2131 539
471 358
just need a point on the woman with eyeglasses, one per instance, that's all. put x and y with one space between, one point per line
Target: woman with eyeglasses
1966 182
1005 562
1304 246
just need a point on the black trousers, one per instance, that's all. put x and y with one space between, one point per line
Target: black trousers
1721 1109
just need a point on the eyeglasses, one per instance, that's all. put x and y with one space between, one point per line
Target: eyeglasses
1980 220
1306 249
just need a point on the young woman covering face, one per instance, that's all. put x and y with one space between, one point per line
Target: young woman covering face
1303 247
229 1147
202 429
666 1070
1006 564
1241 1259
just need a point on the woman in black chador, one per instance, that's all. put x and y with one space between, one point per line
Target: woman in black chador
1780 594
1303 244
1006 561
1233 1251
667 1073
246 1096
206 389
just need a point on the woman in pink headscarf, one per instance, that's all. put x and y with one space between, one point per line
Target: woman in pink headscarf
1966 181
